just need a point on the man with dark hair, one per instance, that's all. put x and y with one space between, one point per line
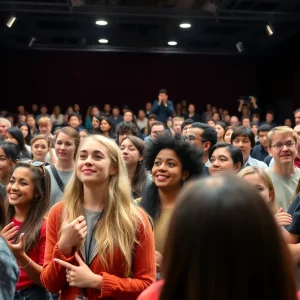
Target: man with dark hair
156 129
74 121
246 121
243 138
203 137
126 128
163 107
297 116
128 115
115 116
43 113
260 152
269 119
185 126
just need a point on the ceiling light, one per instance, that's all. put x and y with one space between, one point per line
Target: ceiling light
270 29
185 25
101 22
172 43
10 22
103 41
240 47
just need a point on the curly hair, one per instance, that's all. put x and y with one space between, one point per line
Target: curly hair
190 158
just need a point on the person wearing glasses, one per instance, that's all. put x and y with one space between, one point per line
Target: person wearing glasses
204 137
282 145
28 193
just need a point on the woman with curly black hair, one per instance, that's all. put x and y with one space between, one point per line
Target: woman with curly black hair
172 162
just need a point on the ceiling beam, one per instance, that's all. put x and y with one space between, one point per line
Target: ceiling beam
146 12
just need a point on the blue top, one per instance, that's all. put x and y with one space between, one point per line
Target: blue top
163 111
9 271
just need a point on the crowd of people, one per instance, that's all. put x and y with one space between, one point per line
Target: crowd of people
165 204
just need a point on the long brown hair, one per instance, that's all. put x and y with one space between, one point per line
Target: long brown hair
224 243
38 207
297 190
140 176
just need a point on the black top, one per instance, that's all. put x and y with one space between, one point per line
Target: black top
294 211
259 153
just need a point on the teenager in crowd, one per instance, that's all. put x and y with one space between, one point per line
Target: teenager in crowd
96 124
227 134
106 128
90 258
8 265
9 155
185 126
57 118
125 129
24 127
15 135
151 119
224 158
27 204
66 145
132 149
243 138
220 129
282 144
91 112
30 120
225 267
172 162
141 120
40 147
260 179
260 152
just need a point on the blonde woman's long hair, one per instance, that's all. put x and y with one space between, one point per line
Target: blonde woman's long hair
264 176
121 218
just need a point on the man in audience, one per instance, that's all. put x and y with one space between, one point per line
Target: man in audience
126 128
260 151
185 126
128 116
156 129
282 144
203 137
45 126
35 110
243 138
297 116
163 107
115 117
107 110
148 108
176 124
246 122
269 119
4 126
234 121
44 113
74 121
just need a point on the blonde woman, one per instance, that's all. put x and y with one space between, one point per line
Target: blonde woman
260 179
105 245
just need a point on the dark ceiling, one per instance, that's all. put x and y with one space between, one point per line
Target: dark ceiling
148 25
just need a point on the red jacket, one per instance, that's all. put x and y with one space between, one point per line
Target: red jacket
115 286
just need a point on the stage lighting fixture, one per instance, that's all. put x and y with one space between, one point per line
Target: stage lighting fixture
31 42
185 25
240 47
101 22
103 41
270 29
11 20
172 43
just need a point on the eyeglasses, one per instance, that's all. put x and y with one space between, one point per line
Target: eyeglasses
191 138
279 146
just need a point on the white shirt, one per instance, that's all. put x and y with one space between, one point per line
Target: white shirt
255 163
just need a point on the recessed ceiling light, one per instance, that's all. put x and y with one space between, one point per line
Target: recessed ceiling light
103 41
185 25
172 43
101 22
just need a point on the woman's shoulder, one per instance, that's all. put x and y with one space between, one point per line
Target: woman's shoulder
56 210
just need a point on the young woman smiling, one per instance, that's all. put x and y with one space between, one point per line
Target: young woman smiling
40 146
66 145
132 149
172 161
27 203
113 238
